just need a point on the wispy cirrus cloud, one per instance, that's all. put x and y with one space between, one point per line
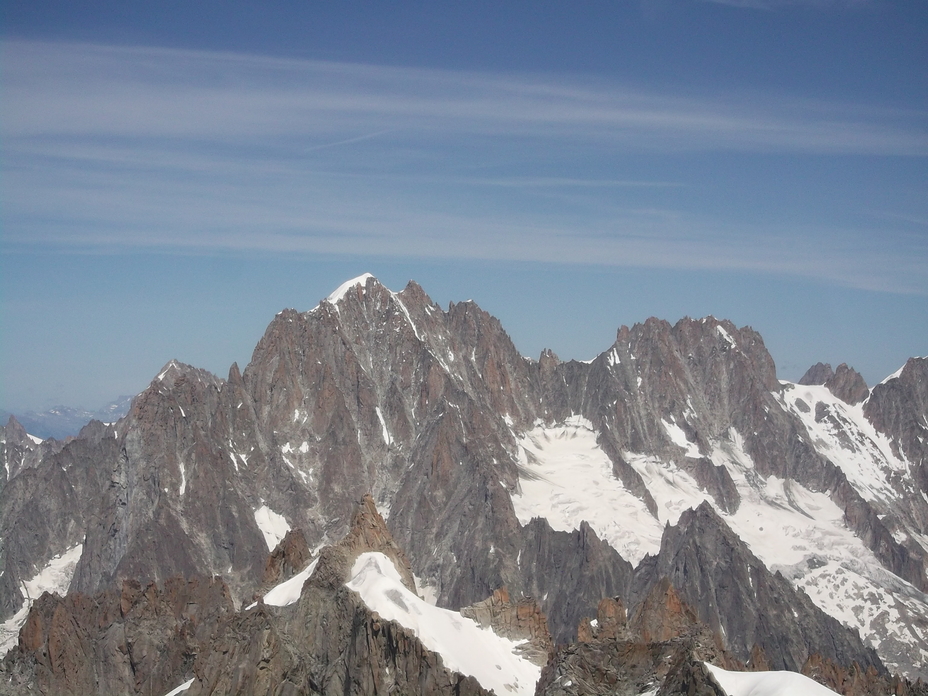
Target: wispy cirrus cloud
111 147
86 91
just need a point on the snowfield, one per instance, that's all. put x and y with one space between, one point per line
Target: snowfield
766 683
462 644
566 478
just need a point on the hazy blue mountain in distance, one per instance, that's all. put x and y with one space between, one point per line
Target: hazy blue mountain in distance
61 421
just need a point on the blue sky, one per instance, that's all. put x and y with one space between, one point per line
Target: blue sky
173 174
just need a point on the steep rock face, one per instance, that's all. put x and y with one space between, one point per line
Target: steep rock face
384 392
329 642
288 558
371 390
378 366
674 391
335 646
819 373
739 599
898 407
662 615
848 385
149 640
172 504
611 622
19 450
569 573
520 620
661 651
139 640
45 506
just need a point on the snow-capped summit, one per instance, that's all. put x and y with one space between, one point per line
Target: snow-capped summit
336 296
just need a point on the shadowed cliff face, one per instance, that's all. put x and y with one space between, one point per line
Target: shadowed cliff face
733 593
387 393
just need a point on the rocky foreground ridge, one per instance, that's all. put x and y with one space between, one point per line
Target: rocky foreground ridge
325 639
789 519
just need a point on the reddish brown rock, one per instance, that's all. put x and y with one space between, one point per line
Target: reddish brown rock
517 620
662 615
287 559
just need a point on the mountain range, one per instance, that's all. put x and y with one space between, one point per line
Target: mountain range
61 421
386 475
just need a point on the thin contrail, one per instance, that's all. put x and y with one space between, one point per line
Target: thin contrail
349 140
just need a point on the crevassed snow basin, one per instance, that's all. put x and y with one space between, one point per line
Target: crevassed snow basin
567 478
463 645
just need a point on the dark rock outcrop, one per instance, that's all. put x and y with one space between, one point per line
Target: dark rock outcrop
662 650
735 595
151 639
848 385
287 559
585 569
137 641
819 373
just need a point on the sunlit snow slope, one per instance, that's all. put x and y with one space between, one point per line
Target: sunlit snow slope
462 644
54 577
767 683
566 477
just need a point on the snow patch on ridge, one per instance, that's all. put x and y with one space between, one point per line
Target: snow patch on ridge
55 577
273 526
676 434
343 289
182 688
777 683
464 646
725 335
842 433
288 592
405 311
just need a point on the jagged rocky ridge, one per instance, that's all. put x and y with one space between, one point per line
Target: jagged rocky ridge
323 636
433 412
151 639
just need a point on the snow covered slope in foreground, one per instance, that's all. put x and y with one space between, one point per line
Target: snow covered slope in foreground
567 478
462 644
766 683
